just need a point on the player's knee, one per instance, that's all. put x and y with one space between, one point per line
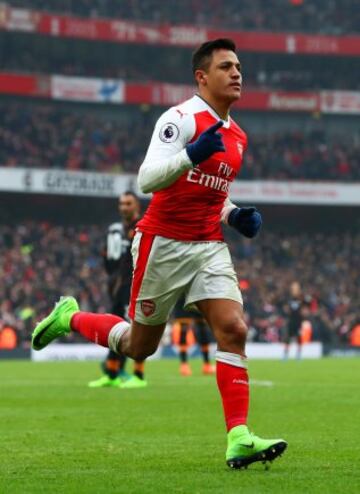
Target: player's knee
240 331
234 330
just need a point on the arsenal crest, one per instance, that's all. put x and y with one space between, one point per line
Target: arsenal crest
148 307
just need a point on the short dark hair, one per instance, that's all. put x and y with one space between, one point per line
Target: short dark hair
130 193
202 56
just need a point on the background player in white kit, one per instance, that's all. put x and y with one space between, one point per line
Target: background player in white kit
194 154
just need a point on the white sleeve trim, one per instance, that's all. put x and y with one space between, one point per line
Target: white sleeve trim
166 159
226 210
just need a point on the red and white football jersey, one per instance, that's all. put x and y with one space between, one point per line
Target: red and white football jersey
188 201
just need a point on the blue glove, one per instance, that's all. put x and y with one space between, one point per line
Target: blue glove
208 143
246 221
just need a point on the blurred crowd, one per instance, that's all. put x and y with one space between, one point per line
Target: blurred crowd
298 155
40 262
48 136
322 264
257 76
170 64
319 16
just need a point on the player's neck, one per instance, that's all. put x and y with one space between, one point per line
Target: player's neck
130 221
221 107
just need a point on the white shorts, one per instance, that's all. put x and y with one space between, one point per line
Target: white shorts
166 269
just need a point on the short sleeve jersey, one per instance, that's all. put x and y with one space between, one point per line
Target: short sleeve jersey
189 209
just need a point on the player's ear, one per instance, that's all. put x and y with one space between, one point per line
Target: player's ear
200 77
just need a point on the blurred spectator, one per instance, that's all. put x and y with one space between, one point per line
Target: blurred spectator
355 335
8 338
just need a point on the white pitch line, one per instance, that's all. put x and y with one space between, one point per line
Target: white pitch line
261 383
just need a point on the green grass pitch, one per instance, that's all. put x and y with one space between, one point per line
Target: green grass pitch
58 436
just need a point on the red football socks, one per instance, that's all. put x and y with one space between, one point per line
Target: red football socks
94 327
233 384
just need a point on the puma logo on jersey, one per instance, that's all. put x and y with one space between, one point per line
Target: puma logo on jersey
181 113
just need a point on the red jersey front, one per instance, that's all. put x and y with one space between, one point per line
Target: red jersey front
189 208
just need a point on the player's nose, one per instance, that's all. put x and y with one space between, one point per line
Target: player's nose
236 75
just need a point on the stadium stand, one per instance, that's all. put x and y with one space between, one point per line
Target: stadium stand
139 63
274 15
42 260
46 136
49 136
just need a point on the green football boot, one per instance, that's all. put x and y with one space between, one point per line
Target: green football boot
105 382
245 448
56 324
124 376
134 383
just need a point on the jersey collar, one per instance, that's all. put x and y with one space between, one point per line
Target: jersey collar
212 112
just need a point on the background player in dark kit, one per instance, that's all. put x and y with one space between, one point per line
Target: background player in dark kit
118 265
